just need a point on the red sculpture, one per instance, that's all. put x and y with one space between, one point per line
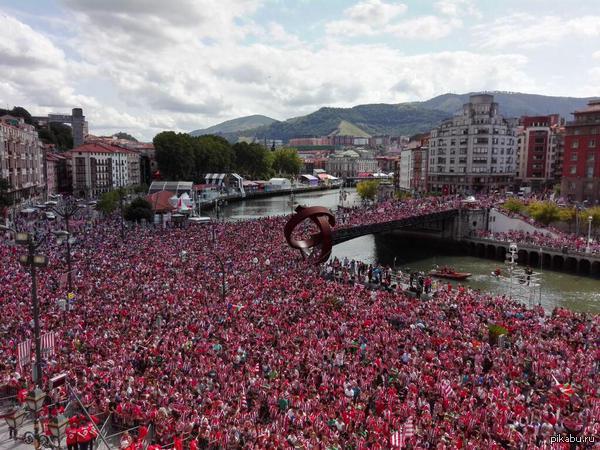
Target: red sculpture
324 220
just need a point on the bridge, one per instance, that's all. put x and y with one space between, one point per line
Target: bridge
536 256
443 222
459 225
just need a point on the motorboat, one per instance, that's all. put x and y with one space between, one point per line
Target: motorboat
449 273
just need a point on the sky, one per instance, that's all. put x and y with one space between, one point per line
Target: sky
144 66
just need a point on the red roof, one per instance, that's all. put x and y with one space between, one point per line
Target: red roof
160 201
100 147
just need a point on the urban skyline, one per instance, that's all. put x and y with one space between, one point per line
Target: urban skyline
189 65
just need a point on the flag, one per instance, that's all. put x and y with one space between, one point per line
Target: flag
48 343
566 389
399 438
23 354
446 389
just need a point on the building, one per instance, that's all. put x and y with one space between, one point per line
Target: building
412 169
349 163
539 151
56 174
77 121
97 168
474 151
581 163
21 158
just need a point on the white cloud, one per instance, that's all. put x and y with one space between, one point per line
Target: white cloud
456 8
375 18
596 54
529 31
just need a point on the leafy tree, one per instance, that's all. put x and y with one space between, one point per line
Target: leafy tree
18 111
59 134
139 209
5 199
403 195
514 205
252 160
109 202
544 212
126 136
174 155
568 215
286 161
367 189
594 213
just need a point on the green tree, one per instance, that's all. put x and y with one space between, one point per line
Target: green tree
138 209
367 190
544 212
109 202
212 154
252 160
286 161
126 136
594 213
514 205
174 155
568 215
58 134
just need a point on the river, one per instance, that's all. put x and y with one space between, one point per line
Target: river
558 288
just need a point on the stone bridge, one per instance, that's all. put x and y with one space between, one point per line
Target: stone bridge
536 256
443 222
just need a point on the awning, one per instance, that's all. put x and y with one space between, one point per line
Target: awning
215 178
309 177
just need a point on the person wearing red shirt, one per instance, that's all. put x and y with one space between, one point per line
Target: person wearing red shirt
72 434
84 437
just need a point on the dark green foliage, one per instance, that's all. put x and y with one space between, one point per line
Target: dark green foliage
58 134
139 209
126 136
286 161
252 161
18 111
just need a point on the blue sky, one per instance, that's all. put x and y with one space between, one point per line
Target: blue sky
145 66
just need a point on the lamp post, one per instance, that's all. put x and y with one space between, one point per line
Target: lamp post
35 399
588 248
66 210
223 284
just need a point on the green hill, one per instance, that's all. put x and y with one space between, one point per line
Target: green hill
396 120
236 125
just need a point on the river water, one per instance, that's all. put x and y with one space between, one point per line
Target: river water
557 288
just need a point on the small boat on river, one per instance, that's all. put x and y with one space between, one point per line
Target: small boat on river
449 273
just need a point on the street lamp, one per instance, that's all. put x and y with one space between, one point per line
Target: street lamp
588 249
14 420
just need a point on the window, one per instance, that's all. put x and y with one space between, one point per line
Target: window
575 143
589 171
591 157
592 143
573 170
573 156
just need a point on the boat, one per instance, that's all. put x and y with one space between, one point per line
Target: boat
451 274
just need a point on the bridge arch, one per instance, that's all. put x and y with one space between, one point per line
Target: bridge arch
571 264
480 250
523 257
595 269
558 262
534 259
585 267
547 260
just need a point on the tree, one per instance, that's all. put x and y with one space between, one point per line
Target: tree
367 189
252 160
544 212
109 202
139 209
18 111
514 205
126 136
568 215
58 134
286 161
174 155
594 213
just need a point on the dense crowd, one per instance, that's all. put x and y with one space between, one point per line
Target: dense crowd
557 241
290 359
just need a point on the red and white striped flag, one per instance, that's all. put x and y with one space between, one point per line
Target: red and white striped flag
399 438
48 343
446 389
23 354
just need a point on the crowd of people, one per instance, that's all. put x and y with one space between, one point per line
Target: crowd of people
557 241
290 359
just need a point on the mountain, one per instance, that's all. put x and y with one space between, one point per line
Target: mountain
395 120
346 128
513 104
236 125
376 119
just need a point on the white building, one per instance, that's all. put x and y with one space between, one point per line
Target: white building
97 168
474 151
